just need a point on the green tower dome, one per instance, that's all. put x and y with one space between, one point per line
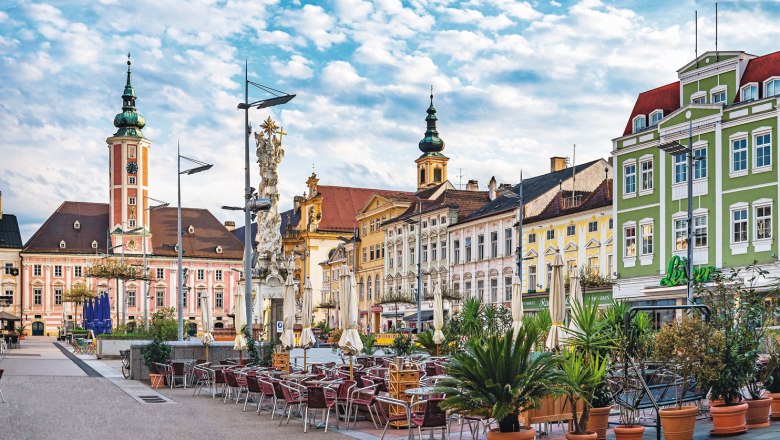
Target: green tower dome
431 143
129 122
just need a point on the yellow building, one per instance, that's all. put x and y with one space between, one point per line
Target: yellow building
379 209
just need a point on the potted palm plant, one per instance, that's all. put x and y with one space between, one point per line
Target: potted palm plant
581 380
685 345
500 377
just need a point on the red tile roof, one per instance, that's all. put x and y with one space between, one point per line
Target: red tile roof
666 98
93 219
340 204
465 201
598 198
758 70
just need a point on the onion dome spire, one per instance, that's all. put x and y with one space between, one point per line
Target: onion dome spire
431 143
129 122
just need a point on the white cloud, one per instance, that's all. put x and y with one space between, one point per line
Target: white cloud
316 24
296 67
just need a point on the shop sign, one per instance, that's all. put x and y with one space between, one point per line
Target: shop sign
677 273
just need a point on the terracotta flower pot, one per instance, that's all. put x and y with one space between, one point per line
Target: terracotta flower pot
629 432
591 435
599 421
775 405
525 433
678 423
156 380
728 419
757 415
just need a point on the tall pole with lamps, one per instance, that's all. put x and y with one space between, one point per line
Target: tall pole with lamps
419 266
201 166
278 99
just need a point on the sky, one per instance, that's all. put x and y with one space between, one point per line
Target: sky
515 82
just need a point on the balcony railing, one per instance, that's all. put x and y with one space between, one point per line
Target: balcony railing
572 202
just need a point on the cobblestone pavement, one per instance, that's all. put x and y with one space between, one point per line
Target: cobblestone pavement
49 396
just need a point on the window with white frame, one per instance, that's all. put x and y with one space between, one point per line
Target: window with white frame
218 274
443 246
610 265
199 294
36 270
434 256
680 168
532 238
551 234
131 201
629 178
718 96
571 230
532 277
494 244
160 273
680 234
593 264
424 253
772 88
468 249
738 155
639 123
57 297
494 290
646 170
218 299
481 290
456 252
201 274
37 296
763 222
700 231
58 271
131 298
131 180
739 225
629 234
699 98
762 150
480 247
655 117
77 271
646 231
700 163
184 296
8 268
749 92
159 298
507 288
507 241
131 223
593 226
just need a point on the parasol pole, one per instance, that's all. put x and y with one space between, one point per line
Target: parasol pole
351 371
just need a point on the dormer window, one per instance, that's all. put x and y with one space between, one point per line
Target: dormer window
191 229
219 249
655 117
76 225
94 244
639 123
772 88
699 98
62 244
718 95
749 92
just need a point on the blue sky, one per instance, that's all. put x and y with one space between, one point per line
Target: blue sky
514 83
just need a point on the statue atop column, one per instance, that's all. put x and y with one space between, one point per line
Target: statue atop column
269 155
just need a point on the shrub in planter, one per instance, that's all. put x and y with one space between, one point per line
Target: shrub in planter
498 377
155 352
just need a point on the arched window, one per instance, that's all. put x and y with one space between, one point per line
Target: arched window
437 174
369 287
422 175
377 287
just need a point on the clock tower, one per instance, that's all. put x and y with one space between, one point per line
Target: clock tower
432 165
129 176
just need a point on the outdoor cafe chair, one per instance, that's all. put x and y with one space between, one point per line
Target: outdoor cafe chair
362 397
2 398
253 388
266 392
431 418
179 372
278 395
203 378
293 397
343 392
166 373
400 417
319 398
233 384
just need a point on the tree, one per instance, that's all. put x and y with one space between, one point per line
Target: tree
78 294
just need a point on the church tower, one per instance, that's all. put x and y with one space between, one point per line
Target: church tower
432 165
129 175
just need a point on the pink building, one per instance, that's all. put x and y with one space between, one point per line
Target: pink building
78 234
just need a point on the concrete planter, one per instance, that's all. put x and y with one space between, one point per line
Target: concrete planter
218 351
109 348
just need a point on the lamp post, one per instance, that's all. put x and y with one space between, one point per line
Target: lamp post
278 99
201 166
675 148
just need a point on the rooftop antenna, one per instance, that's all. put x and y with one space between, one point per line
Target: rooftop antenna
696 45
717 57
460 177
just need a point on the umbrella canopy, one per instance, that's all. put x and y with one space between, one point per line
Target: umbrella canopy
517 305
239 311
557 303
350 340
307 336
438 317
205 318
288 313
575 296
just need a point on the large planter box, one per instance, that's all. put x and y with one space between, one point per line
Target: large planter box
109 348
218 351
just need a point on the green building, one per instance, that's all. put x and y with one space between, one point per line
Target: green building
729 101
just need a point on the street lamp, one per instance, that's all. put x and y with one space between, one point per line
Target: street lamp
278 99
160 204
675 148
201 166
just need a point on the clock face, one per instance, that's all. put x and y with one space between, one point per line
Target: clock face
132 167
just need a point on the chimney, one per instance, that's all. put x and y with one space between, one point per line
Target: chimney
492 188
472 185
557 163
230 225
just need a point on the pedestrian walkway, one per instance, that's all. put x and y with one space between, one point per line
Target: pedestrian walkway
38 356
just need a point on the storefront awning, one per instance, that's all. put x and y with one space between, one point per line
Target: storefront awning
425 315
